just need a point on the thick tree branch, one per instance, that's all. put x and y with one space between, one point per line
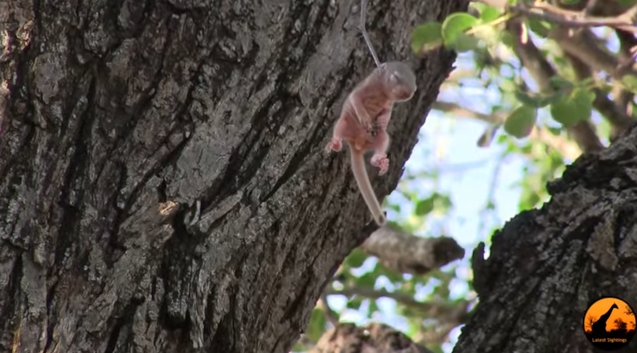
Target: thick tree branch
405 253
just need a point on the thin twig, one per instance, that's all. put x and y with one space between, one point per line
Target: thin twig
565 147
432 309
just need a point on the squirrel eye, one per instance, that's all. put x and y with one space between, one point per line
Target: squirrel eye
393 78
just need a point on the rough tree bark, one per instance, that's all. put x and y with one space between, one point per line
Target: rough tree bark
547 265
163 185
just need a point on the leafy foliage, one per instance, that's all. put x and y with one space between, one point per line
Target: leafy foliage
521 121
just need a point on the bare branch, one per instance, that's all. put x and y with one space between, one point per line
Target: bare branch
438 310
406 253
566 148
584 45
572 19
456 75
461 112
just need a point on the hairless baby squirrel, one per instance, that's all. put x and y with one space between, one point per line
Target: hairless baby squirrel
364 118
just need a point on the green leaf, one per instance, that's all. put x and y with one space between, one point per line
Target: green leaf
556 96
317 325
426 37
574 107
507 86
442 202
536 100
521 121
299 347
586 82
356 258
529 199
425 206
373 307
559 83
527 99
464 43
627 2
368 280
630 83
355 303
539 27
604 127
508 39
487 13
456 24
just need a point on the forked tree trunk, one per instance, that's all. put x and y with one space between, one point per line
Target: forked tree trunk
163 185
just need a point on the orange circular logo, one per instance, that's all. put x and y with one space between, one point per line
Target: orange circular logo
609 323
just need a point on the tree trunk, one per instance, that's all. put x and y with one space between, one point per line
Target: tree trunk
163 185
546 266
